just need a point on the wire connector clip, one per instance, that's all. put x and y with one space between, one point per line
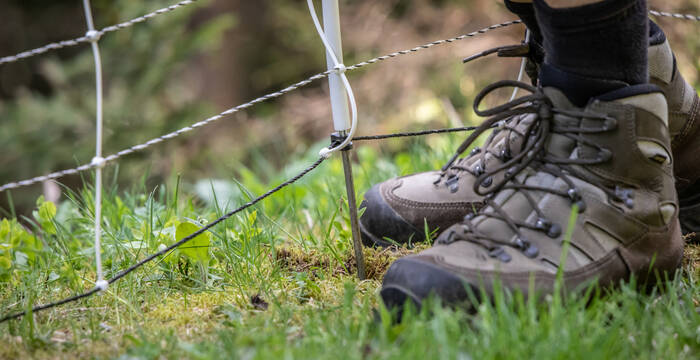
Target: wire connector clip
93 35
98 162
102 285
340 69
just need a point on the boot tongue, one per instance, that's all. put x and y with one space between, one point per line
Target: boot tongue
580 89
559 145
562 146
643 96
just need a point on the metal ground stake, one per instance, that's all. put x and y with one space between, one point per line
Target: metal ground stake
341 118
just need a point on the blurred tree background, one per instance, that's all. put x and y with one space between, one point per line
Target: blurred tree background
194 62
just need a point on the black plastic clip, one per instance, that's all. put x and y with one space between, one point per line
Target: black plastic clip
337 139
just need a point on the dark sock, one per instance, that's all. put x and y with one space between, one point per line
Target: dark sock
526 12
602 45
656 35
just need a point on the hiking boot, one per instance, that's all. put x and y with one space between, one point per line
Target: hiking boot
684 128
404 209
609 162
401 208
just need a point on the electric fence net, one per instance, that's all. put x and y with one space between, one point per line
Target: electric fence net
93 35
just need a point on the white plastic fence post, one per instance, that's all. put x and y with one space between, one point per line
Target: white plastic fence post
98 162
341 119
339 96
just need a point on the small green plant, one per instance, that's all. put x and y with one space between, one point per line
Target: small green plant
20 250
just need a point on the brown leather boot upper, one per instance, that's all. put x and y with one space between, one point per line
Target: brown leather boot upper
400 208
610 161
683 114
684 126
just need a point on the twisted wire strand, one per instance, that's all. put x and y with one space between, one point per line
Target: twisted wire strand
416 133
170 248
434 43
270 192
85 39
135 148
140 147
675 15
94 43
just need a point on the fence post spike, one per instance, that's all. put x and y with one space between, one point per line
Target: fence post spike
341 117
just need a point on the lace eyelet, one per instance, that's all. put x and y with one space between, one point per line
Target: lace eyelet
449 240
474 151
576 199
496 251
543 224
605 155
610 123
520 243
500 254
581 206
626 196
554 231
452 183
488 181
504 155
531 251
573 194
510 172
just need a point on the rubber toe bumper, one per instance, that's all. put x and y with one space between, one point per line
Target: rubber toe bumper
380 220
412 278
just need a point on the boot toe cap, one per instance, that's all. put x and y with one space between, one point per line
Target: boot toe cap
415 278
380 220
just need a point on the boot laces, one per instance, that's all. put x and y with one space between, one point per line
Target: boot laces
534 157
534 53
475 163
529 49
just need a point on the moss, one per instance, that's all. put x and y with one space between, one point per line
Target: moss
292 257
691 258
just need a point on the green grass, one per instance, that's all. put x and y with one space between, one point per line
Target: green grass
277 282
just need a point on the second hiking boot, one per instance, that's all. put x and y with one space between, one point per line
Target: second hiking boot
399 209
607 165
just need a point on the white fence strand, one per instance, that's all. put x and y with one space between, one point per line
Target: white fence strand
86 38
97 161
675 15
147 144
